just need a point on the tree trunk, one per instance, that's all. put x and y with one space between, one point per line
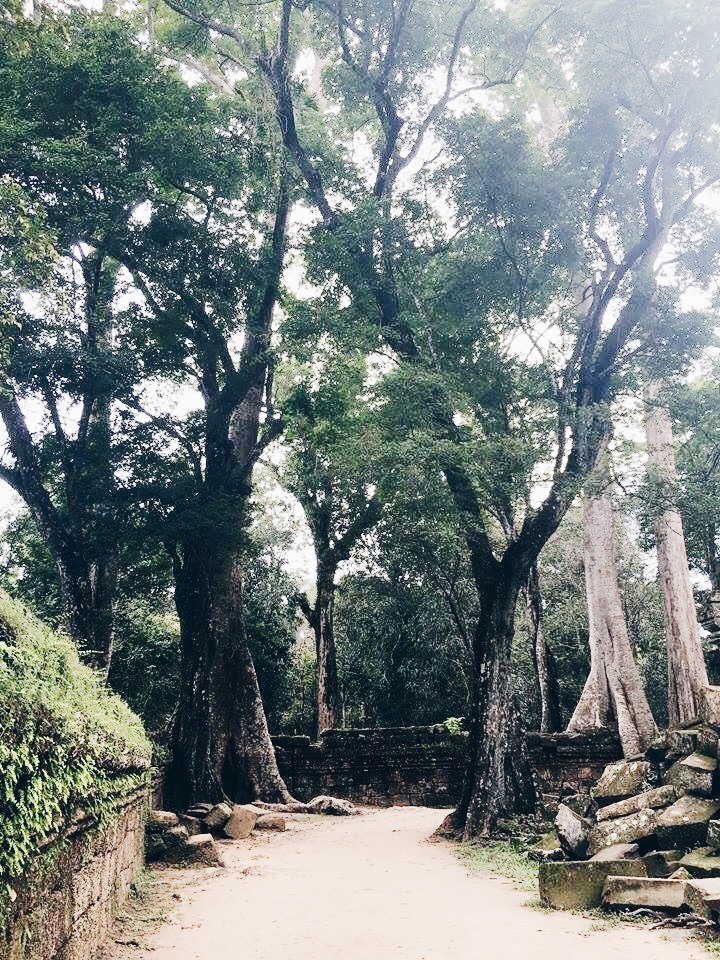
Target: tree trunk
221 745
329 703
687 673
613 697
89 593
543 658
499 781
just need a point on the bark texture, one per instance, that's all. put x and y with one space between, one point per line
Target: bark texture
613 697
687 672
543 658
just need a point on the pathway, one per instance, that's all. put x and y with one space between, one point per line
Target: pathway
372 888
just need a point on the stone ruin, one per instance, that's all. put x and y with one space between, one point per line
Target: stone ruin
647 836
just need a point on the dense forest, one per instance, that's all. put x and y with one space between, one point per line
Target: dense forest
358 367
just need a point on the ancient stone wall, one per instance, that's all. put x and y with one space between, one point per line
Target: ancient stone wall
64 909
425 765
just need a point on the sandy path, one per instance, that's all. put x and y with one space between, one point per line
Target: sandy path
371 888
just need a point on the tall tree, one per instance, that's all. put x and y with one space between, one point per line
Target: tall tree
687 673
613 697
543 658
621 178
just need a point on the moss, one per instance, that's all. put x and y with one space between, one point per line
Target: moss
66 742
505 858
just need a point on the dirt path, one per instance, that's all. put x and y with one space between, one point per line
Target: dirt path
371 888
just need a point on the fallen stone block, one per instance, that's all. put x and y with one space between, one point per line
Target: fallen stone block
682 742
331 806
241 823
657 894
546 848
580 803
163 818
218 816
685 823
193 825
680 874
202 849
703 897
573 832
637 828
649 800
710 706
576 885
662 863
271 821
707 742
620 780
702 863
713 835
696 773
618 851
200 810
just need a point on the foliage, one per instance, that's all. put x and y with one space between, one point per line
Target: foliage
66 742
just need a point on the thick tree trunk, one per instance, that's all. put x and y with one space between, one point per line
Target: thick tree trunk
89 593
613 697
499 781
543 658
687 673
221 745
328 708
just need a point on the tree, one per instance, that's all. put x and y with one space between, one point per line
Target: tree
620 177
687 673
613 697
330 471
543 658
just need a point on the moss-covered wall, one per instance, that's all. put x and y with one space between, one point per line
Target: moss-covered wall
74 774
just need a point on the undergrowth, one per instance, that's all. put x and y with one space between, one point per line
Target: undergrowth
66 743
506 858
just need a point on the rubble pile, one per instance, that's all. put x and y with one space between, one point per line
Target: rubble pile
648 834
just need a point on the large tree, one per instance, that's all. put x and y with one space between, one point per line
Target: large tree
562 227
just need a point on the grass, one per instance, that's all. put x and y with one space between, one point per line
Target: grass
504 858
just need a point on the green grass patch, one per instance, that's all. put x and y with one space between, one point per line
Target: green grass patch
504 858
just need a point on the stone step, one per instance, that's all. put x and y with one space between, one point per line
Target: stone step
628 891
696 774
577 885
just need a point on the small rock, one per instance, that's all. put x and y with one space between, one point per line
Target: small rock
650 799
573 832
685 823
643 892
618 851
163 818
240 823
271 821
578 885
620 780
218 816
331 806
696 773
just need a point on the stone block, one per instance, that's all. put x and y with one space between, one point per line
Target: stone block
580 803
218 816
707 742
577 885
546 848
682 742
713 835
662 863
332 806
163 818
621 780
637 828
710 706
271 821
202 849
650 799
702 863
241 823
696 774
624 891
573 832
703 897
618 851
193 825
685 823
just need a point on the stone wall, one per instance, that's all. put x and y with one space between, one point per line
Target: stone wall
63 910
425 765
